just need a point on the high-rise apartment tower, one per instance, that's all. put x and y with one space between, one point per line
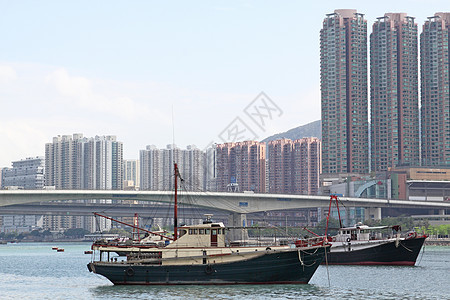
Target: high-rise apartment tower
394 92
435 94
343 75
75 162
294 166
241 166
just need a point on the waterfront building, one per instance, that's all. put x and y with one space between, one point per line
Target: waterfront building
20 223
27 174
241 166
294 166
344 97
394 92
435 90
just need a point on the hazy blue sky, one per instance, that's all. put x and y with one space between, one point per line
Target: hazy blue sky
121 67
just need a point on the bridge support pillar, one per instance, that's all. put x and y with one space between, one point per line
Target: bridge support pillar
373 213
238 220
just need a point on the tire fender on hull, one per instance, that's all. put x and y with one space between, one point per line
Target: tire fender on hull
209 269
130 271
91 267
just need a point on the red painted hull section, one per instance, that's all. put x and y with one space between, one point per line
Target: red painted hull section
221 283
375 263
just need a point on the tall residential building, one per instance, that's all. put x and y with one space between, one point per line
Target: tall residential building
63 162
20 223
435 94
343 73
151 173
242 164
307 166
108 163
74 162
280 165
157 168
2 171
294 166
210 169
193 168
131 171
170 156
27 174
225 166
394 92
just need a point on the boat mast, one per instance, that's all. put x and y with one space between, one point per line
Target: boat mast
333 197
339 213
136 227
175 214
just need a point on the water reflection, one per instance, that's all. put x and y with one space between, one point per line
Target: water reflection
209 292
34 271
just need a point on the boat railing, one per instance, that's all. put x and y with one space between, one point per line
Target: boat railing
313 241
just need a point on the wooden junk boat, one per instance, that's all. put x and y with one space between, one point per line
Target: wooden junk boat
199 254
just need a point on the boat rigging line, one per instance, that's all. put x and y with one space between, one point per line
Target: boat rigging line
132 226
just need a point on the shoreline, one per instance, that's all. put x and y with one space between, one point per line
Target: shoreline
437 242
428 241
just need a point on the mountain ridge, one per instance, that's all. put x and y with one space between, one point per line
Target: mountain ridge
313 129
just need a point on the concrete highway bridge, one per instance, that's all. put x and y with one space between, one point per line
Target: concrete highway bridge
238 204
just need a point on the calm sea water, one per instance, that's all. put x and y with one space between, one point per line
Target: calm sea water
35 271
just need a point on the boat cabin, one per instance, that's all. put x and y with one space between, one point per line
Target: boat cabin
202 235
359 232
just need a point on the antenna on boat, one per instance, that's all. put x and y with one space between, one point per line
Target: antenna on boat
173 132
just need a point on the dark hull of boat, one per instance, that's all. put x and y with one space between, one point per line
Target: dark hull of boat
286 267
403 254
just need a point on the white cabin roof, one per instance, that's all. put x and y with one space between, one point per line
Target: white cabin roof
207 225
364 227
